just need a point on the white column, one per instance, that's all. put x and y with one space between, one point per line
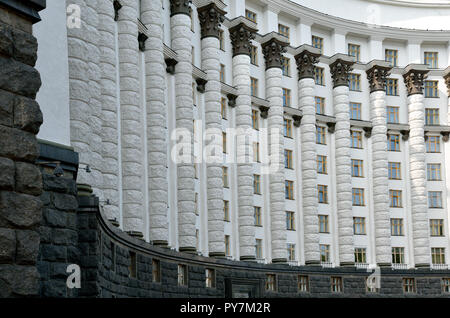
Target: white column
181 44
109 85
156 112
131 114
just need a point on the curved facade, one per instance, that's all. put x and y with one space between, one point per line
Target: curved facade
265 131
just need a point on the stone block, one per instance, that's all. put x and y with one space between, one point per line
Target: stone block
18 144
64 202
19 209
6 107
27 246
28 178
27 115
6 173
7 245
19 78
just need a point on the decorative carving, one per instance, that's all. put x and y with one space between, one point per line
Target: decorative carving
414 81
180 7
273 52
305 64
231 100
201 84
297 120
141 39
447 82
331 127
241 35
170 65
210 17
117 6
340 70
264 111
405 134
367 132
377 77
445 135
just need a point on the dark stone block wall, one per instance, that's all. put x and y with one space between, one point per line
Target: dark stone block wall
20 178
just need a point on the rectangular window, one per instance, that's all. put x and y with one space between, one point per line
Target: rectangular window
286 66
322 192
391 56
409 285
360 255
303 283
253 86
392 114
321 164
291 251
431 116
255 119
320 105
253 55
431 88
398 255
317 42
437 227
227 245
324 252
250 15
223 107
392 87
431 59
358 196
288 159
288 128
359 226
271 282
283 30
256 184
323 224
354 82
397 227
259 254
394 170
357 168
289 190
226 210
394 142
435 199
320 135
355 111
290 221
222 73
256 152
434 172
336 284
446 285
354 50
225 176
257 214
438 255
210 278
221 40
356 139
133 265
395 198
433 144
224 142
318 75
286 97
182 275
156 271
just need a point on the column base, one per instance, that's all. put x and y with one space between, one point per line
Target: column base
249 258
136 234
347 264
217 255
187 249
312 263
279 261
160 243
384 265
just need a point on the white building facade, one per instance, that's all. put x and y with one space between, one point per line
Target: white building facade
352 112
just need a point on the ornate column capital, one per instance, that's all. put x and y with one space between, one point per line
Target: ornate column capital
241 35
210 16
377 73
305 59
340 67
180 7
273 47
447 79
413 76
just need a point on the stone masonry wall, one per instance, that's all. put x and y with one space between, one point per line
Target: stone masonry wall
20 178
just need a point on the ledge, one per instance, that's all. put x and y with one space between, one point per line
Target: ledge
398 127
259 101
360 123
325 119
29 8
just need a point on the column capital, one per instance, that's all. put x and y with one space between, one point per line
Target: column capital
340 66
180 7
305 57
413 76
210 16
447 79
273 46
242 31
377 72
